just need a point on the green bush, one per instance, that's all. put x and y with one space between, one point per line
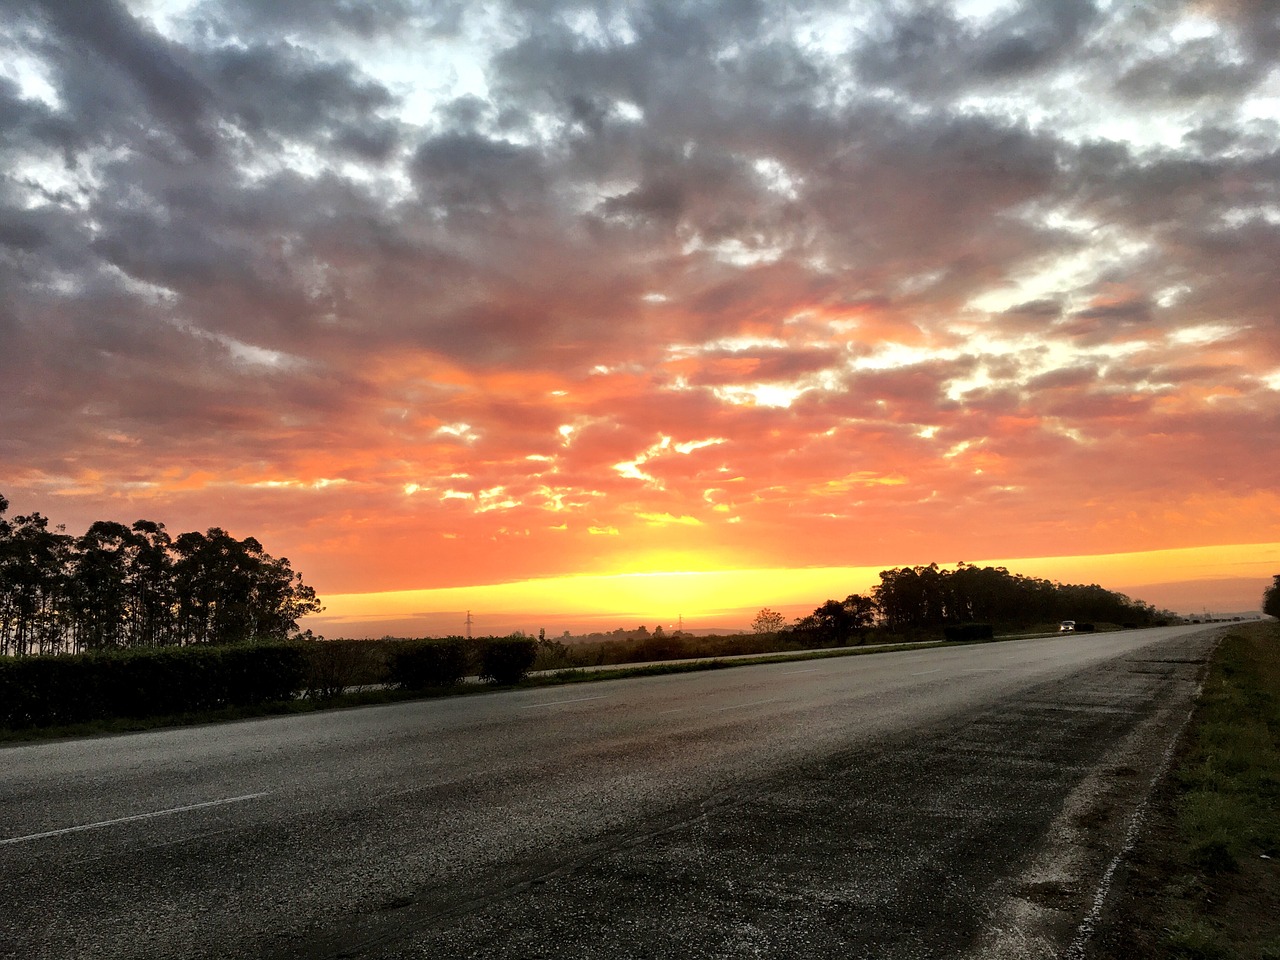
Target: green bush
146 682
422 664
141 683
331 666
260 673
966 632
506 660
42 691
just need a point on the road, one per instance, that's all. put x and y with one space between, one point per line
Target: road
950 802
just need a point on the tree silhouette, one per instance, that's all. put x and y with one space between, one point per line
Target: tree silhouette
768 621
838 621
119 586
1271 599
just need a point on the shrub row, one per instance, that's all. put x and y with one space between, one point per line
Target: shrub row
150 682
966 632
58 690
334 666
506 659
422 664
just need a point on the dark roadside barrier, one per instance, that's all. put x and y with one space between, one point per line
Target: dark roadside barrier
335 666
966 632
423 664
47 691
506 660
68 689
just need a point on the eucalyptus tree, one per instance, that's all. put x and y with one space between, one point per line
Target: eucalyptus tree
125 586
153 600
230 590
34 576
98 587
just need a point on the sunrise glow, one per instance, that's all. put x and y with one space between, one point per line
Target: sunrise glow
728 599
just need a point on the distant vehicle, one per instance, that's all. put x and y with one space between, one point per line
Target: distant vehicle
1067 626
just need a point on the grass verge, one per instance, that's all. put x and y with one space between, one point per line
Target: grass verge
1204 883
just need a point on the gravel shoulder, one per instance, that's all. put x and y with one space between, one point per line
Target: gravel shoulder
1203 878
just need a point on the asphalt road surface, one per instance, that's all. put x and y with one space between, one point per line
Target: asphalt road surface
960 802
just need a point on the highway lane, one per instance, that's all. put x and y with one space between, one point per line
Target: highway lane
893 804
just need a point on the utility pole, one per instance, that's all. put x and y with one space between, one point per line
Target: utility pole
469 622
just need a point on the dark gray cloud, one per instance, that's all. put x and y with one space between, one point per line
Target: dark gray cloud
928 49
99 39
1198 71
839 246
1036 309
471 172
373 20
283 91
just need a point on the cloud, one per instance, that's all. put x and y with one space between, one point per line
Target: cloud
706 279
928 48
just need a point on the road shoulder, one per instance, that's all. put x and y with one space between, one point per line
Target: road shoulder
1055 906
1204 878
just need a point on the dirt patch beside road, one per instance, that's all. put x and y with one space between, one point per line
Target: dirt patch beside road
1203 881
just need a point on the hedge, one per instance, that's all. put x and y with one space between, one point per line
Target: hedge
422 664
506 660
58 690
969 631
333 666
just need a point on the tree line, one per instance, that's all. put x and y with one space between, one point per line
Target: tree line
922 599
123 586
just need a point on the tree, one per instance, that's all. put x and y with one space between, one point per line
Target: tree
767 621
231 590
152 598
837 621
99 587
1271 599
34 575
119 586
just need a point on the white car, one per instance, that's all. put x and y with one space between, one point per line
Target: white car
1067 626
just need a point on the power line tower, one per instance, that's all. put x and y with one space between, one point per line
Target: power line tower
469 622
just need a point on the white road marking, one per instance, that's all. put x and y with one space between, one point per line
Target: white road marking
753 703
137 816
787 673
552 703
925 673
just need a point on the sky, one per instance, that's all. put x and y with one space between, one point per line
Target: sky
529 299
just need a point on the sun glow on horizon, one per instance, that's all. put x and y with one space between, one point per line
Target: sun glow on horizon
658 595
